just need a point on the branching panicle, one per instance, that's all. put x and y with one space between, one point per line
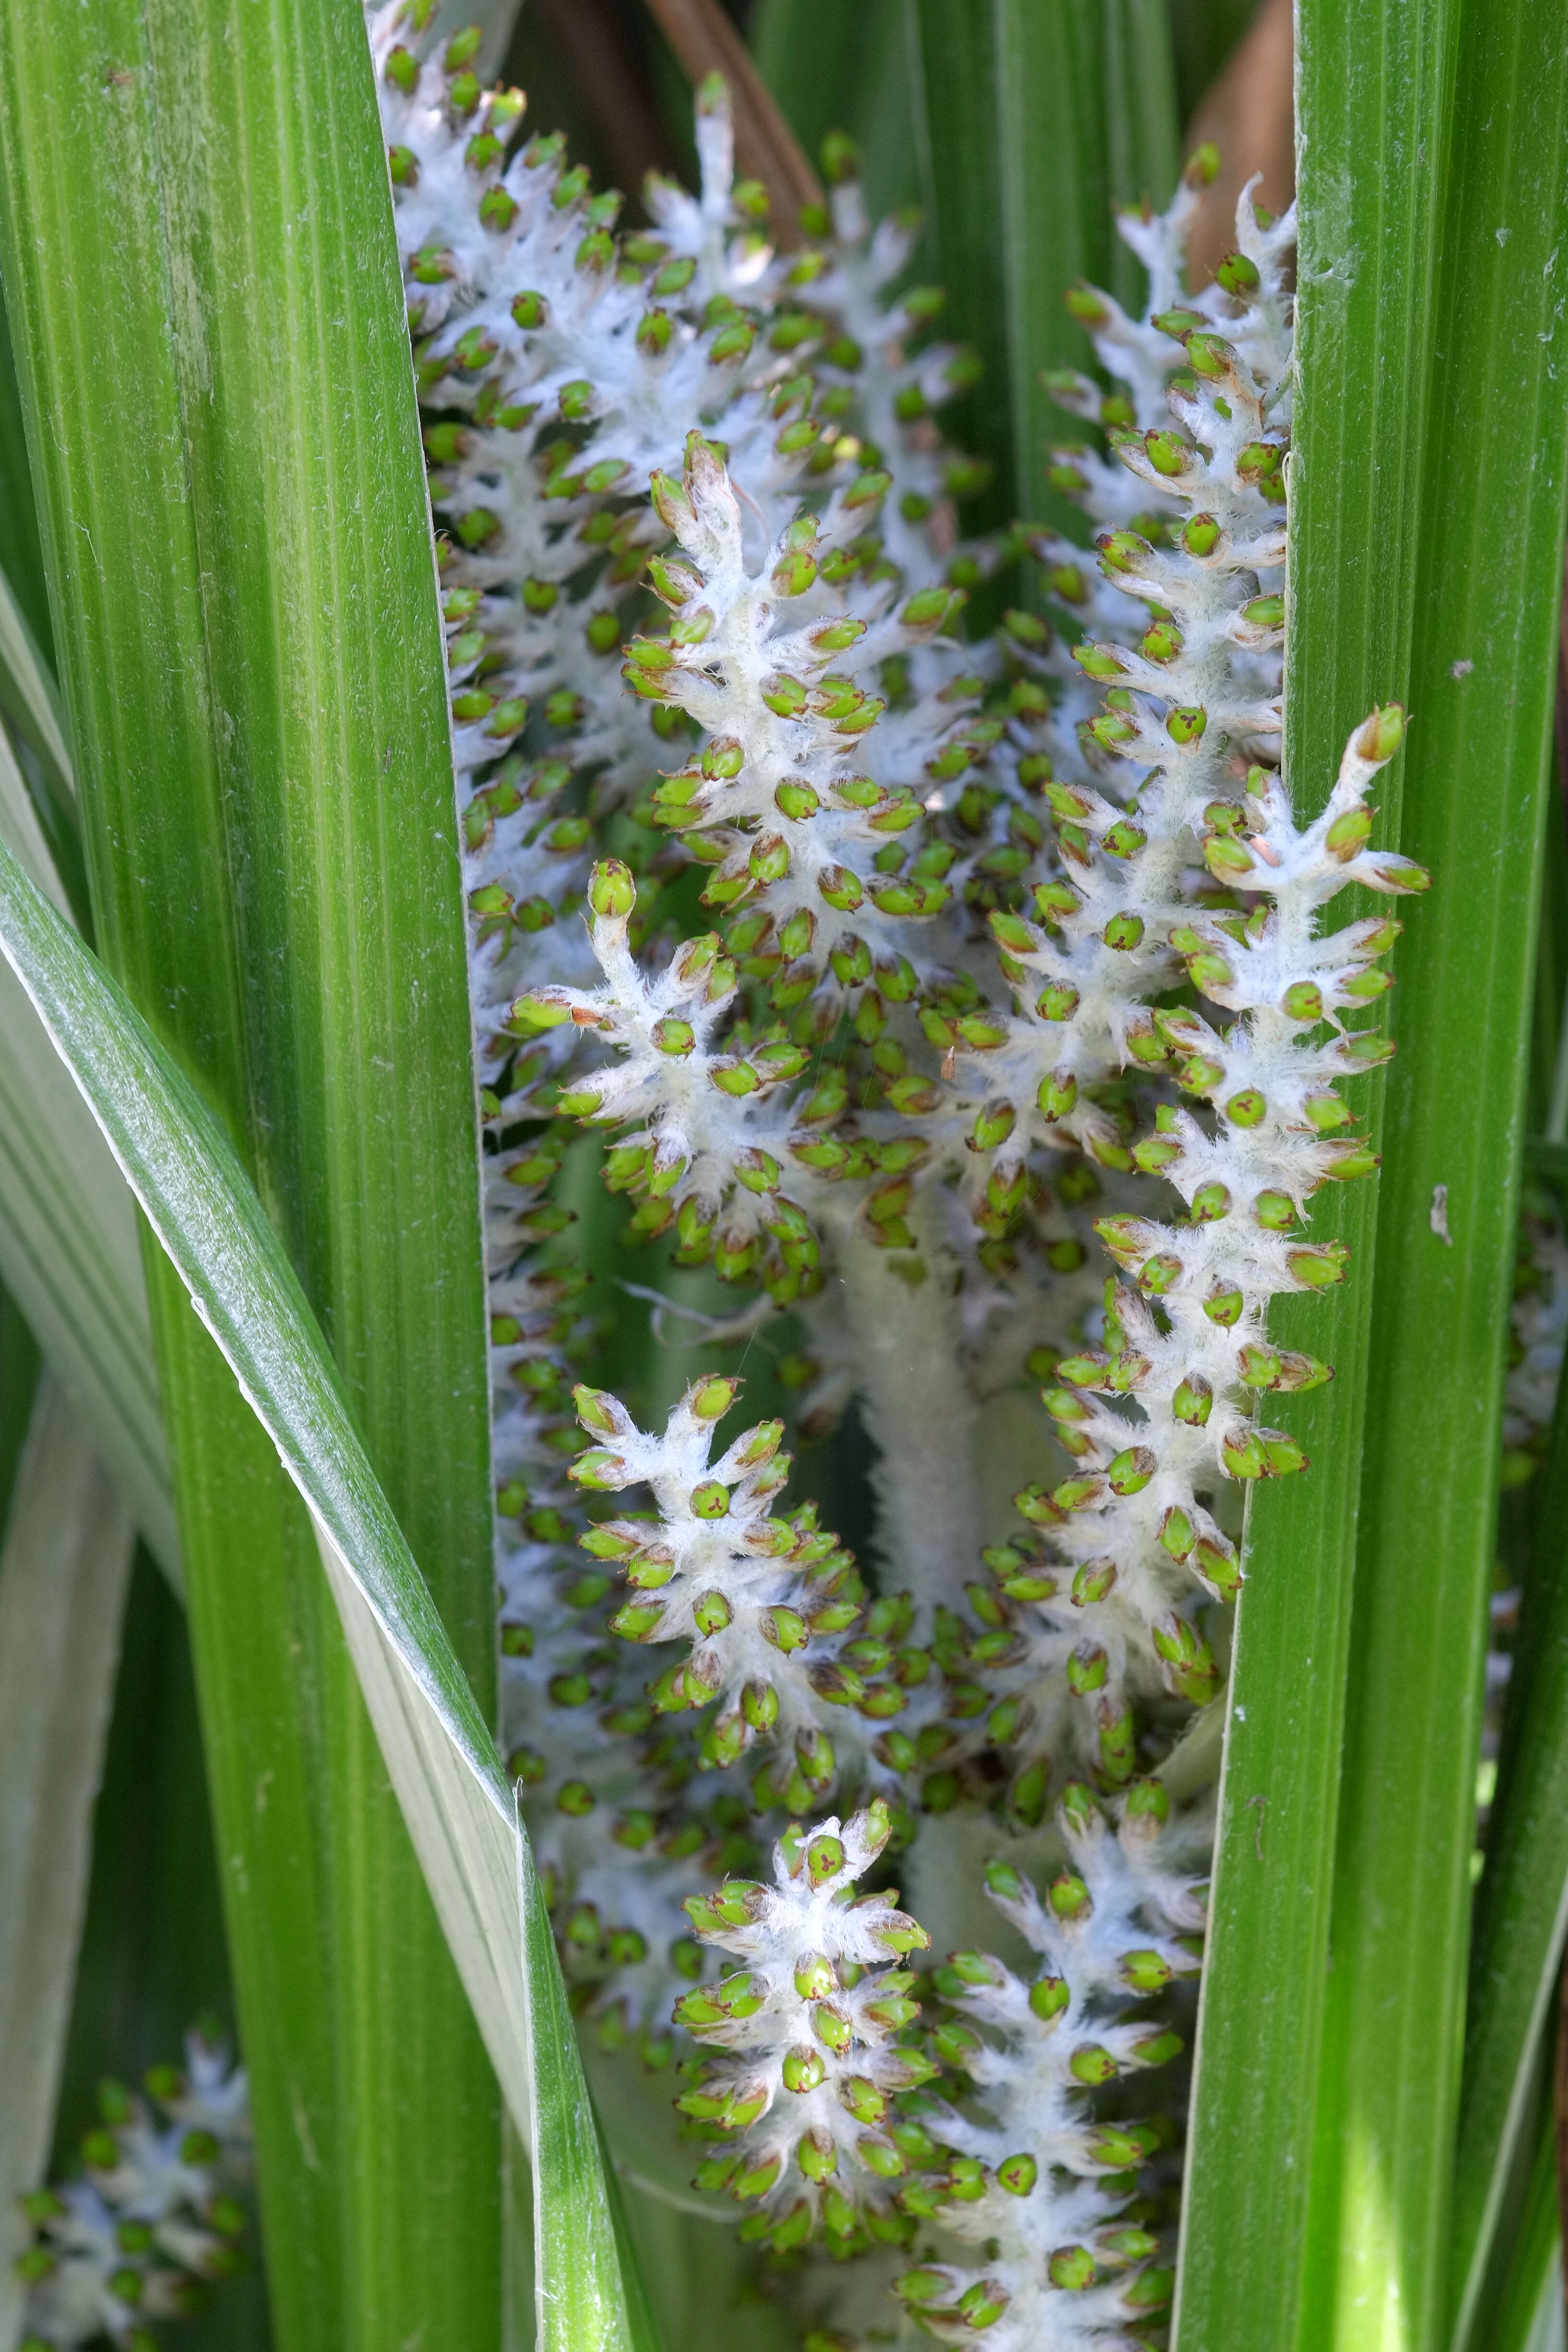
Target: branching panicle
153 2219
1008 930
810 2029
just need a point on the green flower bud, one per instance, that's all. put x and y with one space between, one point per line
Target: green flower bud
1132 1470
1048 1996
1158 2049
1381 735
804 2070
1092 1583
1155 1153
1238 276
1071 2267
1189 1661
1160 1273
1168 452
1282 1454
1067 1896
1176 1533
1058 1094
1153 2290
711 1613
612 892
760 1706
1242 1454
1227 858
1186 725
983 2304
1099 661
1348 833
1078 1494
1092 2063
1318 1269
1087 1671
1210 357
922 2286
1144 1972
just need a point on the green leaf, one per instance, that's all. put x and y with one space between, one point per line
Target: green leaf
64 1574
212 358
21 1365
1038 117
460 1808
1203 34
1527 2314
1475 809
837 69
21 556
1521 1904
68 1250
29 705
1372 95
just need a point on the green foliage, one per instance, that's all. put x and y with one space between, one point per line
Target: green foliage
1033 122
223 1250
1477 799
234 519
1370 84
1416 567
211 354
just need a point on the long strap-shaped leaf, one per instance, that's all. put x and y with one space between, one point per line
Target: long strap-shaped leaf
1522 1906
457 1803
212 345
1476 799
20 555
29 709
1373 95
1038 116
63 1580
68 1250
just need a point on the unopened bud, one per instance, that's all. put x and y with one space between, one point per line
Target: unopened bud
1048 1996
1144 1972
1072 2268
1087 1670
824 1859
804 2070
760 1706
1092 2063
1069 1897
1348 833
1381 736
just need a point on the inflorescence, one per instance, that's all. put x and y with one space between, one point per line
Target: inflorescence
157 2216
901 967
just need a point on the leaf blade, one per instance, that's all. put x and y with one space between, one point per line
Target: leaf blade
213 348
64 1576
1373 86
1487 585
216 1235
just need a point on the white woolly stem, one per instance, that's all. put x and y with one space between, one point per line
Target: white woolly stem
920 1415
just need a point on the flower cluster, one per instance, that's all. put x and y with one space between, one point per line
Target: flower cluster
155 2216
1008 932
1185 1339
1046 2189
813 2066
